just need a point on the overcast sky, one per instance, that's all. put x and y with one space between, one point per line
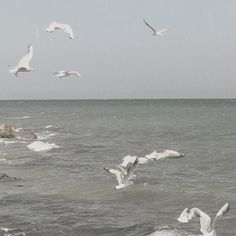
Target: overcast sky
116 53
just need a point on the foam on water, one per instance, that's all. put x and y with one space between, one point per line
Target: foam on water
172 232
17 130
12 232
20 118
45 135
48 126
10 141
39 146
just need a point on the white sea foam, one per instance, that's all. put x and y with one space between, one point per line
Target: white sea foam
17 130
3 160
48 126
9 141
45 135
39 146
4 141
12 232
19 118
167 232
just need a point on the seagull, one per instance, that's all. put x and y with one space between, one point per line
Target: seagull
155 33
63 73
123 174
170 154
23 65
207 229
65 27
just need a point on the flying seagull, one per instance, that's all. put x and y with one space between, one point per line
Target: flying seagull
63 73
207 229
155 32
23 65
65 27
154 156
123 174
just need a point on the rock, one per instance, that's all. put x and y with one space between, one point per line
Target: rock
6 131
5 178
29 135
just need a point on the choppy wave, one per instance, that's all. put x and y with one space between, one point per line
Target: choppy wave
39 146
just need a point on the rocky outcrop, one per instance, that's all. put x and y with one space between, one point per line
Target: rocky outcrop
6 131
5 178
29 135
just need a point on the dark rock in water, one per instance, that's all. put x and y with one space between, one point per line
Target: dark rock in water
6 131
29 135
5 178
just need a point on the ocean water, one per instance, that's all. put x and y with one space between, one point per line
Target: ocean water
65 190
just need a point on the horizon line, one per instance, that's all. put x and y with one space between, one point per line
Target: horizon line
106 99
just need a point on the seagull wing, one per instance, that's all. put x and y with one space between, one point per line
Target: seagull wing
205 220
131 168
171 154
183 218
153 156
25 60
76 73
145 22
123 170
59 72
67 29
223 210
162 31
51 27
126 160
117 173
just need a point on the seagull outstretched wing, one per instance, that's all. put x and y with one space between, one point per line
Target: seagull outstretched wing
117 173
223 210
25 60
65 27
205 220
162 31
131 168
145 22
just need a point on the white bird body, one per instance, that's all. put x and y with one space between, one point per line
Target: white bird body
207 229
155 32
65 27
24 63
64 73
123 174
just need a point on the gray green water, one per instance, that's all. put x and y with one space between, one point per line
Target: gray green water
65 191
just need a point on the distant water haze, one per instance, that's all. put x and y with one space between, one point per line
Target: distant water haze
116 53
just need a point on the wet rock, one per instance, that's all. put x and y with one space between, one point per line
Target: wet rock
29 135
6 131
5 178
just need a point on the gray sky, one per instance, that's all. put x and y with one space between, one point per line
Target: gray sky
116 53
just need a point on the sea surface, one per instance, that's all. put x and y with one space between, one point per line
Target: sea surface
65 191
